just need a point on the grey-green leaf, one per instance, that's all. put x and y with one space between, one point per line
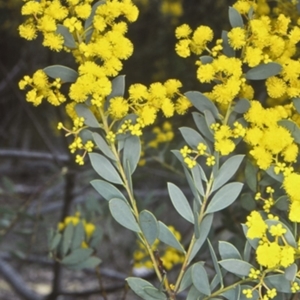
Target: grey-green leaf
167 237
78 236
67 238
154 293
105 168
205 227
198 175
264 71
227 49
180 202
90 263
186 280
107 190
228 251
192 137
290 272
252 242
69 40
77 256
296 102
83 110
202 103
55 241
235 18
279 282
200 279
236 266
224 197
131 152
227 170
138 285
242 106
103 146
202 125
149 226
215 262
118 87
64 73
122 213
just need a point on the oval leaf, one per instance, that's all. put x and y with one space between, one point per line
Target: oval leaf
290 272
67 238
118 87
138 285
131 152
224 197
149 226
264 71
69 40
279 282
122 213
227 170
228 251
64 73
77 256
192 137
202 103
107 190
236 266
242 106
235 18
91 263
200 279
78 237
105 168
166 236
215 262
89 119
103 146
154 293
180 202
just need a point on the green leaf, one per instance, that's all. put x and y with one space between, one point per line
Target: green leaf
227 49
107 190
88 25
55 241
198 175
251 175
202 103
282 203
215 263
226 171
270 171
118 87
105 168
103 146
138 285
200 278
202 126
67 238
91 263
166 236
279 282
194 294
242 106
236 266
122 213
131 152
154 293
77 256
292 127
69 40
291 272
78 236
64 73
235 18
233 293
296 102
96 238
180 202
247 251
224 197
247 201
264 71
149 226
191 184
186 280
192 137
205 227
90 120
228 251
206 59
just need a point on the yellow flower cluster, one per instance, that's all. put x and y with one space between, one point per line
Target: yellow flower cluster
89 228
164 134
272 252
42 88
169 258
190 155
